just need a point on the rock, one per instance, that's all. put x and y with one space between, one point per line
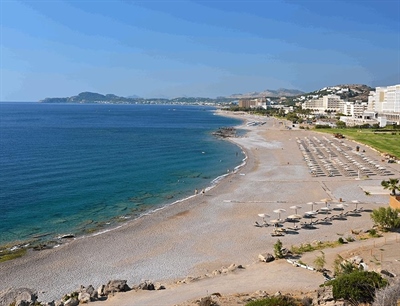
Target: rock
278 293
205 301
59 303
159 286
71 302
261 293
387 273
324 294
356 260
52 303
19 295
116 286
266 257
232 267
146 285
22 303
91 291
84 297
100 290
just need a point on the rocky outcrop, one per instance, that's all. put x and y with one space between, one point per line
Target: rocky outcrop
114 286
20 296
266 257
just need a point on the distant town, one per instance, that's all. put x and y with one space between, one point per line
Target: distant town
351 104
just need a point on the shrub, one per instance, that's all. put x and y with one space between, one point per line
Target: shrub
278 249
320 261
357 287
389 295
341 240
275 301
386 218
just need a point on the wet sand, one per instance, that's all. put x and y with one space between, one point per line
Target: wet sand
206 232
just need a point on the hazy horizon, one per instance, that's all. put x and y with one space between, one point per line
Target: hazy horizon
194 48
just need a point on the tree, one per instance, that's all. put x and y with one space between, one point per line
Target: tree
340 124
357 287
386 217
278 249
392 185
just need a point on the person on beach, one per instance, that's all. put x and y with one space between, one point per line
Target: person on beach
196 191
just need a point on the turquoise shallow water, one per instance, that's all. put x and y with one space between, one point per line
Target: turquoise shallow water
69 168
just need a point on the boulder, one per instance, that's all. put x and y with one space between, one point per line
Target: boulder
22 303
71 302
159 286
205 301
146 285
100 290
59 303
266 257
91 291
387 273
84 297
19 295
324 295
116 286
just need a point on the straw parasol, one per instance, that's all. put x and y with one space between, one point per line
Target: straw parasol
326 200
278 211
295 207
355 202
264 216
312 205
341 206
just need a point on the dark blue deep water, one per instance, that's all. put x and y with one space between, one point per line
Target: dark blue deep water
69 168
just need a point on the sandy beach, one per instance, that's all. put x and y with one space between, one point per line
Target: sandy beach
214 230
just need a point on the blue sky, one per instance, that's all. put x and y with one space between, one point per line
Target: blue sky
194 48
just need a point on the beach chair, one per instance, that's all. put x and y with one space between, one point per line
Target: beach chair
256 224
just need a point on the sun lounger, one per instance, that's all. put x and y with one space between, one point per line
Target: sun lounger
256 224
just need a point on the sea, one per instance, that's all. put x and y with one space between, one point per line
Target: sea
84 168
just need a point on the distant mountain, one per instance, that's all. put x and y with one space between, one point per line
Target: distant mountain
88 97
281 92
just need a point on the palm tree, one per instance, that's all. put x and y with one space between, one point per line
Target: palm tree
392 185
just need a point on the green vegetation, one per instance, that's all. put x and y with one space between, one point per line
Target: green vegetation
357 286
278 249
275 301
320 261
386 218
307 247
9 255
392 185
383 142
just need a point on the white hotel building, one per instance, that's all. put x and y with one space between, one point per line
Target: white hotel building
385 102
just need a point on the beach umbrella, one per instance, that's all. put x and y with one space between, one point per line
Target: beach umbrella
326 200
355 202
263 216
295 207
312 205
341 206
278 211
294 218
325 209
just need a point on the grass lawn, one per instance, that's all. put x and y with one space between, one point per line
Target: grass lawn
384 142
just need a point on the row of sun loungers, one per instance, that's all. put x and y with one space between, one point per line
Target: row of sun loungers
327 158
281 231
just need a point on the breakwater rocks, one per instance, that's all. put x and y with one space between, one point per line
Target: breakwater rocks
225 132
28 297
